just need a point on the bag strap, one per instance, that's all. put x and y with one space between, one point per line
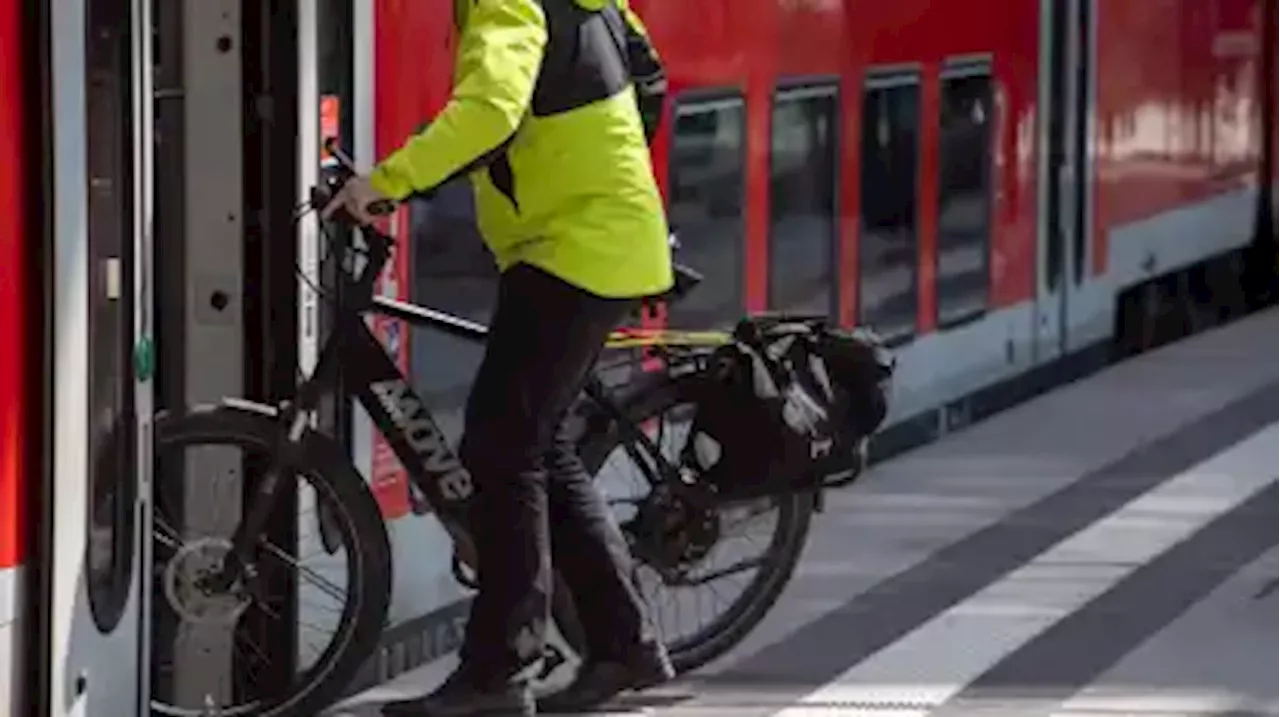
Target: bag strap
617 26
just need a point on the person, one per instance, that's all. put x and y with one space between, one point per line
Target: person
545 121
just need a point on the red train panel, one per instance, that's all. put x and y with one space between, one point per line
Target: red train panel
719 43
413 58
1177 106
1176 101
1174 114
13 264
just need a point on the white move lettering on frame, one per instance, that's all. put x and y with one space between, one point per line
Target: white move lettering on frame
424 438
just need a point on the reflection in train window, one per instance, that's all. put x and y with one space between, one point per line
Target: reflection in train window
964 193
453 271
802 201
705 207
111 423
887 243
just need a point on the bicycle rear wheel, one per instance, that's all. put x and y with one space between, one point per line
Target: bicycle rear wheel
675 556
192 543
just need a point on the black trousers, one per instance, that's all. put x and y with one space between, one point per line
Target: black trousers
534 500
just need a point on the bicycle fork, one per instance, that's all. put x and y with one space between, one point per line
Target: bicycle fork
240 561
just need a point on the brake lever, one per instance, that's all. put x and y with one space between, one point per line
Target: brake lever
378 208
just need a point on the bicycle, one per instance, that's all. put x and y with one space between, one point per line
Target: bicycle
215 580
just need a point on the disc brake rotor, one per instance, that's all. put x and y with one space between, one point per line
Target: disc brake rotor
185 577
670 534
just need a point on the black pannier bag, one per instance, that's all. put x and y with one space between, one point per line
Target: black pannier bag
861 369
773 417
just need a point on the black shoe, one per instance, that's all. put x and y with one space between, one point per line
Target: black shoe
597 682
463 696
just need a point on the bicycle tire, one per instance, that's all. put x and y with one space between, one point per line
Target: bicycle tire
326 467
795 514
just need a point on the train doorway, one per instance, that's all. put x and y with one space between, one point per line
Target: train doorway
228 139
1067 41
161 166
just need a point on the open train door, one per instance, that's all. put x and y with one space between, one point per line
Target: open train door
1065 173
93 575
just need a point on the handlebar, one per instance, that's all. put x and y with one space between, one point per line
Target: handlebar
324 192
359 278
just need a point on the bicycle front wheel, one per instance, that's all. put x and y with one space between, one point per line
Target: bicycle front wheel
272 644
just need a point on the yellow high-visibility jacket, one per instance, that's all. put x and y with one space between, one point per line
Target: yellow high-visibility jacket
543 119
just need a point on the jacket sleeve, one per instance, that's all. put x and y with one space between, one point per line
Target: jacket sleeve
647 73
499 54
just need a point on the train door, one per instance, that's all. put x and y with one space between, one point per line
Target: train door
1065 171
100 396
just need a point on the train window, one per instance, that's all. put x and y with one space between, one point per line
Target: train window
964 192
802 201
887 243
112 425
705 204
454 271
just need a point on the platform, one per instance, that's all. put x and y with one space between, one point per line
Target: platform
1105 549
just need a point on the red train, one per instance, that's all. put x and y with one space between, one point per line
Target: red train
1001 187
980 181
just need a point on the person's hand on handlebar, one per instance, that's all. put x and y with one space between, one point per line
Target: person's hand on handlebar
361 201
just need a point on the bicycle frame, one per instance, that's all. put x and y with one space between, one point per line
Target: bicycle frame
353 353
396 410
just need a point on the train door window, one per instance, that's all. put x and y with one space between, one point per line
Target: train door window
887 243
964 192
453 270
802 201
110 226
707 184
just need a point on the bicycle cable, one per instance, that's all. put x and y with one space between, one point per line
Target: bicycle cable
300 212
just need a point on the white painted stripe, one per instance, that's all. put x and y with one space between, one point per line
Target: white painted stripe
939 658
1159 702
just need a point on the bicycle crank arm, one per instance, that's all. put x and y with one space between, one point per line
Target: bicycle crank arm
459 569
464 554
552 659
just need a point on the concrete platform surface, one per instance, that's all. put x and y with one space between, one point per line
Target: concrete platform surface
1106 549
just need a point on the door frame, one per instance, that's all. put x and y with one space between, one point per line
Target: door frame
36 647
85 660
1065 177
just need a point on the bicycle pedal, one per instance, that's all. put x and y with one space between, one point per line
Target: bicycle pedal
460 574
552 658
